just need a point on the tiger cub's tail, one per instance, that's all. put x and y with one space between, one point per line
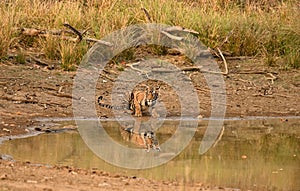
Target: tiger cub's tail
100 98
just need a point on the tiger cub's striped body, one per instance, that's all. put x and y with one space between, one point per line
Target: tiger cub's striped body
138 101
146 139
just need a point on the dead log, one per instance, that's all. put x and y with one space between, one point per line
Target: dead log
61 34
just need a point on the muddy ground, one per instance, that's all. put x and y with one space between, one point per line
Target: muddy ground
31 91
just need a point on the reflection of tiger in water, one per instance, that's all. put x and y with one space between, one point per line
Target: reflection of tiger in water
138 101
146 139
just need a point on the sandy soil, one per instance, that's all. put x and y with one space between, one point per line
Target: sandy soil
26 176
30 91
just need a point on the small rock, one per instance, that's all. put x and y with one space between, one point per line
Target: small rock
3 177
6 130
6 157
284 120
105 174
103 184
244 156
32 181
47 189
200 116
48 131
38 129
46 178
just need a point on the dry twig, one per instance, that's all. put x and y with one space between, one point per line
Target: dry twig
254 72
179 28
272 77
225 63
136 69
147 14
171 36
79 35
226 38
107 77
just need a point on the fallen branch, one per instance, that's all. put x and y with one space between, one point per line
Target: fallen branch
262 95
110 72
25 101
282 95
37 32
40 62
136 69
80 36
246 81
225 63
107 77
75 31
63 95
96 40
11 78
162 70
85 31
186 69
45 88
238 57
60 34
191 68
171 36
254 72
29 57
179 28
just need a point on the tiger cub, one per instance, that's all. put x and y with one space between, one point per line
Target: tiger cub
142 100
146 139
138 101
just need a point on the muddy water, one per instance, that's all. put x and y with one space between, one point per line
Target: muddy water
250 155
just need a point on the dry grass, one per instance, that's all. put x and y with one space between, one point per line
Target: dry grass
267 29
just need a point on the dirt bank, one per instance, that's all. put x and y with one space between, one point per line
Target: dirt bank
252 89
31 91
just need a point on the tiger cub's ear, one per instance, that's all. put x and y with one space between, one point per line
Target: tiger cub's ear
156 89
149 89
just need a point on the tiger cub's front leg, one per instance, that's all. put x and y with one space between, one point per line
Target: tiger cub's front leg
138 101
138 110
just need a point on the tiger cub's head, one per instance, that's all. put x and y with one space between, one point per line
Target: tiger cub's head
151 141
146 139
152 96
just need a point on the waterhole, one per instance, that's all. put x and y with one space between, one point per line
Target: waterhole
260 154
